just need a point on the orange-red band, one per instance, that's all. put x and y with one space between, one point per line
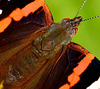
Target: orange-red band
18 13
77 71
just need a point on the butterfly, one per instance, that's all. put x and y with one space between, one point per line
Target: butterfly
36 53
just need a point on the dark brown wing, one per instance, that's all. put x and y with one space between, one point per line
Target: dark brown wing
83 68
21 18
18 25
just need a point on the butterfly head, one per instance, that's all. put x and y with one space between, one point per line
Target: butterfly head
71 25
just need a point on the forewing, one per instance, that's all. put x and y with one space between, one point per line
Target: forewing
20 25
21 18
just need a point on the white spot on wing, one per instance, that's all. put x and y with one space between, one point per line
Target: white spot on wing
95 85
1 11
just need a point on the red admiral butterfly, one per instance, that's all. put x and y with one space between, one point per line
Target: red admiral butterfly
36 53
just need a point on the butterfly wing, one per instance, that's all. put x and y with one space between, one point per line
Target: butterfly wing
19 22
21 18
83 68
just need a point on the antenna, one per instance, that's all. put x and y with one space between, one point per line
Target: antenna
91 18
88 18
80 8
